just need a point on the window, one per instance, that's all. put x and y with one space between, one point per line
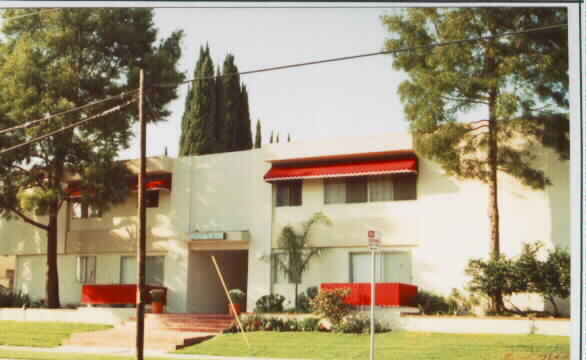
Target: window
151 198
155 270
86 269
81 210
389 267
360 189
289 193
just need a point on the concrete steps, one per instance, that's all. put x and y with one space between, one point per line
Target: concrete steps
125 338
164 332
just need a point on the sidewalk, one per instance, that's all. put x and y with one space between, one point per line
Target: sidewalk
71 349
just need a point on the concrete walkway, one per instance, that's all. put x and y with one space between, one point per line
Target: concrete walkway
125 352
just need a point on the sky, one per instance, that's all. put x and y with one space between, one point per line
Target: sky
348 98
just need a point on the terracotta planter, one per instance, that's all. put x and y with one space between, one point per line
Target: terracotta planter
234 309
157 307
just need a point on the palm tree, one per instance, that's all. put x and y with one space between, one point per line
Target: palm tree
297 249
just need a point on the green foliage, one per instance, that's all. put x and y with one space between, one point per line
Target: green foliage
258 135
521 82
526 274
68 58
330 305
237 296
310 324
296 246
272 303
429 303
216 117
9 299
358 324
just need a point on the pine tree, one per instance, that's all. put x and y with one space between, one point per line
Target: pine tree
258 135
520 81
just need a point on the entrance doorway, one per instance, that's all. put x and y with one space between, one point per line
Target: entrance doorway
206 294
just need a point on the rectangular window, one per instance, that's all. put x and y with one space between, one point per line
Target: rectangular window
289 193
151 198
360 189
155 270
380 188
81 210
86 269
389 267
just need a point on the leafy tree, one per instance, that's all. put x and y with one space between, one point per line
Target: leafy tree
549 278
55 62
520 81
258 136
198 132
297 249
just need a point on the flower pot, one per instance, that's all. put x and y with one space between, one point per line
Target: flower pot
234 309
157 307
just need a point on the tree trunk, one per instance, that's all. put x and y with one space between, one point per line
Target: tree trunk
52 285
493 210
555 306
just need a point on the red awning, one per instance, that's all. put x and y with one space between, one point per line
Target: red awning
343 169
152 182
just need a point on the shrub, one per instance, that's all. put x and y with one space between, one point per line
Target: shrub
330 305
312 292
11 299
273 324
357 324
430 303
291 325
459 304
237 296
309 324
270 303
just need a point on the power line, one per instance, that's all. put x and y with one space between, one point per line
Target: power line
75 124
351 57
29 14
32 123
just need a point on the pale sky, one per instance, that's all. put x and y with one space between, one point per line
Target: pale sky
354 97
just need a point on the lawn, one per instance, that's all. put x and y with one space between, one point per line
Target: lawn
41 334
395 345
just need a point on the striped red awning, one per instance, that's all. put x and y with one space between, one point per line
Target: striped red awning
152 182
343 169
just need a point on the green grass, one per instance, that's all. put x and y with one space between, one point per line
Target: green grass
41 334
395 345
29 355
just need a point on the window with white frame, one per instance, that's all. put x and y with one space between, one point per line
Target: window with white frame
154 270
289 193
86 269
82 210
358 189
393 266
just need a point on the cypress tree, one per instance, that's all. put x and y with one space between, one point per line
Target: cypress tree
185 124
220 145
244 130
289 137
258 135
277 139
199 117
271 138
232 107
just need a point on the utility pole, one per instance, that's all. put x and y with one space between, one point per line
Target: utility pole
141 246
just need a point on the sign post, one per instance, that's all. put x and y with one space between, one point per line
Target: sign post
373 243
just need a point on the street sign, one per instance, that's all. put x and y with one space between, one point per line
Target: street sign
373 240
